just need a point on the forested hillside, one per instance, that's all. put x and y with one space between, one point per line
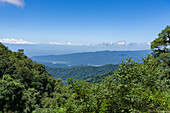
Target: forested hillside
80 72
23 83
25 86
98 78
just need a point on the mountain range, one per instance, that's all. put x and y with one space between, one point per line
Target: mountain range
97 58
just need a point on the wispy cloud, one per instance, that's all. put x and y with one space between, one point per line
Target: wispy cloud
21 41
55 43
16 41
116 44
123 43
19 3
68 43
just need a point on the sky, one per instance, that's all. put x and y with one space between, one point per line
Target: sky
82 21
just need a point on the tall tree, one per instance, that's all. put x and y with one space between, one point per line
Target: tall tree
161 49
160 44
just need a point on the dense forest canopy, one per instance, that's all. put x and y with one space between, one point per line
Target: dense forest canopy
26 86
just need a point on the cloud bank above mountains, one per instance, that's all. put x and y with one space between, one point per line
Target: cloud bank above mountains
119 43
57 48
19 3
123 43
15 41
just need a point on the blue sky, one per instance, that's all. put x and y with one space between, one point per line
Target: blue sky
83 21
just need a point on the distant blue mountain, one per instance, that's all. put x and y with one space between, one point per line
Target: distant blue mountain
90 58
48 49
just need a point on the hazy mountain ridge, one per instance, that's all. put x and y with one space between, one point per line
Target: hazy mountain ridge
53 49
91 58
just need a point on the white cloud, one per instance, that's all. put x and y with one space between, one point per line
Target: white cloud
121 43
21 41
148 43
19 3
117 44
68 43
16 41
55 43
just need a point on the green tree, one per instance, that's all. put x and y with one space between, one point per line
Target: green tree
30 98
159 45
11 93
161 49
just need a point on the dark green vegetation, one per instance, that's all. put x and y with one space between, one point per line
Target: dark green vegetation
98 78
25 86
80 72
90 58
23 83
